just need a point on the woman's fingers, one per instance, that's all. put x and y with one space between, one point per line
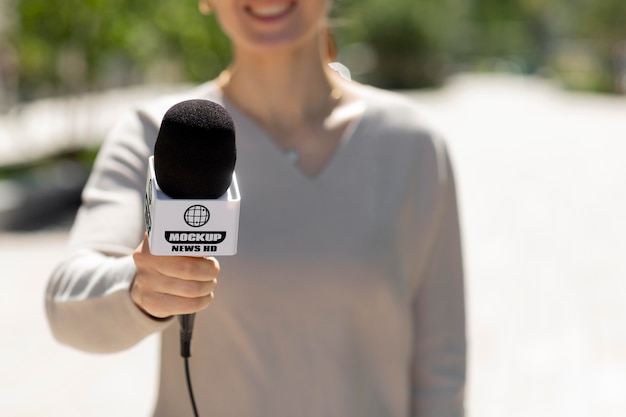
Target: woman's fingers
187 268
166 305
182 267
183 288
171 285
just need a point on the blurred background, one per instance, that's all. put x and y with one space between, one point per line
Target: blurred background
532 97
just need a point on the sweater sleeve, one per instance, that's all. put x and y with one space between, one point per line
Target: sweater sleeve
439 367
88 303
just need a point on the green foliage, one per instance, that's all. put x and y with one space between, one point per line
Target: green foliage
66 46
413 40
602 33
77 45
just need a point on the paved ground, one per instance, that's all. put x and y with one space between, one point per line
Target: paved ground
541 178
542 187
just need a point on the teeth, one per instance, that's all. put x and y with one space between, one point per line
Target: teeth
268 11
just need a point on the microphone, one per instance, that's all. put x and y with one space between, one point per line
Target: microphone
192 196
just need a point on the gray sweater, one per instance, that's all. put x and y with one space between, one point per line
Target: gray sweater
346 295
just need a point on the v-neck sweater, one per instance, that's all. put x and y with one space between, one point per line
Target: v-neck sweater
345 297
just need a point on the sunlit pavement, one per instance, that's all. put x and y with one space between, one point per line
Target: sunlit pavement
541 176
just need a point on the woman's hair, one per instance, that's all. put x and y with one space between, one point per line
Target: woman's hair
331 45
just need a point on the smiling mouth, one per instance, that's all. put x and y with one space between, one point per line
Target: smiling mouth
272 11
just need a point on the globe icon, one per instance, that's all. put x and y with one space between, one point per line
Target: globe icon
196 216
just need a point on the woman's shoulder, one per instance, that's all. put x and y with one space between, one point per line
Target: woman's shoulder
402 135
393 105
137 127
153 110
391 114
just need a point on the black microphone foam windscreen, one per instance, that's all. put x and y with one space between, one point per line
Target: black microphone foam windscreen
195 153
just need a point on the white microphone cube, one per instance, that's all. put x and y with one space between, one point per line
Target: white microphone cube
191 227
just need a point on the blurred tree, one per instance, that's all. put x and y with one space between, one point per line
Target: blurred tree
574 41
67 46
413 42
8 60
511 35
603 25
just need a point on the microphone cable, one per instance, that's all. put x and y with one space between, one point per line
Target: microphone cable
186 330
189 388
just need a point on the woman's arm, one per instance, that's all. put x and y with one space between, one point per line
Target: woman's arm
87 298
439 368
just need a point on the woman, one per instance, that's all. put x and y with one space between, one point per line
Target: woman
346 295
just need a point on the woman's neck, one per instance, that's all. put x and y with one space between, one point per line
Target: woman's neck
281 92
303 105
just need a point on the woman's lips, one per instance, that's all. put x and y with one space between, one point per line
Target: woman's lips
269 12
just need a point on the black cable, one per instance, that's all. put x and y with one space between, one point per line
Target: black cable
186 331
191 397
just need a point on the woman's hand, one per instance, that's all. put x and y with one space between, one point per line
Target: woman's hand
170 285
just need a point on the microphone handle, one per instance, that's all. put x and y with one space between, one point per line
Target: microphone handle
186 330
